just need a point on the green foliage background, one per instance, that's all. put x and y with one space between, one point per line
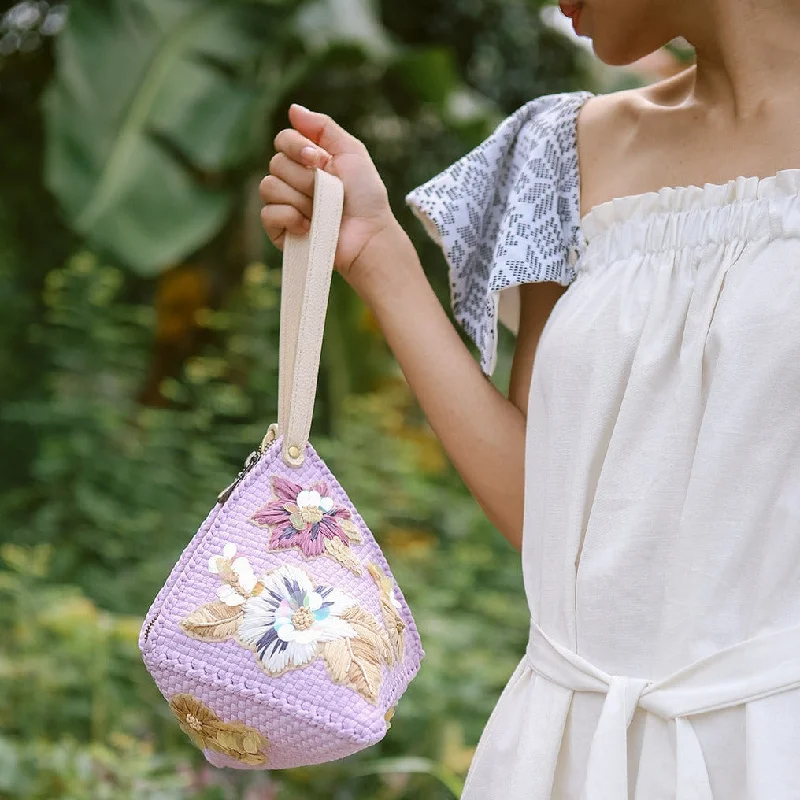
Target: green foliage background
138 364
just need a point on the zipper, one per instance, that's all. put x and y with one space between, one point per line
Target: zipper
149 627
250 462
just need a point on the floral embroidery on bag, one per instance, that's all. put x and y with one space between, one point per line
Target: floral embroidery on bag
289 622
209 732
286 625
218 621
294 622
390 608
309 520
240 580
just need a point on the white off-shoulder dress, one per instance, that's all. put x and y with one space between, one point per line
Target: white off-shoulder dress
661 545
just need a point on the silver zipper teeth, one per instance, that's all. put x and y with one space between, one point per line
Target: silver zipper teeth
150 627
249 464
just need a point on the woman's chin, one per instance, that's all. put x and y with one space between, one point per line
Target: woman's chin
616 54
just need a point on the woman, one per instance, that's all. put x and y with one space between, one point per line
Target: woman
649 466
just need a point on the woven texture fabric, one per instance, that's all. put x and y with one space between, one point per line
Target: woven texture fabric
508 213
305 716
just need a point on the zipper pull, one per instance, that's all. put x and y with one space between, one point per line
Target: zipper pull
252 460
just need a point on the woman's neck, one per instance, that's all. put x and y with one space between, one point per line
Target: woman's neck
748 59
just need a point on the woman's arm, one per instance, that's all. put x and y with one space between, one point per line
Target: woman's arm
481 430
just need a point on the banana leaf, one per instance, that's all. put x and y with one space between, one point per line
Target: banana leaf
152 101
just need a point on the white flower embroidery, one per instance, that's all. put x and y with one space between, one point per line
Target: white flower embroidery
228 552
288 621
312 499
240 580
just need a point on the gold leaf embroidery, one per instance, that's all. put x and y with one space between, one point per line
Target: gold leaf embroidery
365 673
395 626
209 732
251 742
353 533
368 629
357 662
354 663
339 551
338 656
242 743
213 622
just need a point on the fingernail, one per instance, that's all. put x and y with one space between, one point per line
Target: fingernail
310 155
302 108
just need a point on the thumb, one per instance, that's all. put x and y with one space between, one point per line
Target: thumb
322 130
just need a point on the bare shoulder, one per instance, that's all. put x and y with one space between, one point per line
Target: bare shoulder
606 114
611 129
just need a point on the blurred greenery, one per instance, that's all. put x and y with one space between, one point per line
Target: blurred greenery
138 362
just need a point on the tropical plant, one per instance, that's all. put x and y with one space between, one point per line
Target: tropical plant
157 109
120 489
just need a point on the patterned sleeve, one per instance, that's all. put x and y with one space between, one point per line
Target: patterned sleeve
508 213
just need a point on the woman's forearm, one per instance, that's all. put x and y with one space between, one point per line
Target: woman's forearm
482 432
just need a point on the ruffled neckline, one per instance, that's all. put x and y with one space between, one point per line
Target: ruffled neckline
678 199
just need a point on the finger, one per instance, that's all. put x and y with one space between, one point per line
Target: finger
276 192
279 219
322 130
300 149
279 241
302 179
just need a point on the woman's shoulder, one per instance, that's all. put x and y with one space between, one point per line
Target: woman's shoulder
598 119
631 104
619 135
508 212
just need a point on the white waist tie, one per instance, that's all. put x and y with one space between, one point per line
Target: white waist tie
759 667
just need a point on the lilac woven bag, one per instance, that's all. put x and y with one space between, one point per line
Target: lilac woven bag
280 638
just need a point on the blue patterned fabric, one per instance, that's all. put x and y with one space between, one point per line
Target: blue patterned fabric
508 213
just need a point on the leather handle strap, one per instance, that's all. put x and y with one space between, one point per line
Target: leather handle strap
305 286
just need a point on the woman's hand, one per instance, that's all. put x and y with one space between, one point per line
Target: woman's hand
316 141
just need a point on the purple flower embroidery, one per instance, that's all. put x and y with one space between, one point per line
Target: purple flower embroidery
309 520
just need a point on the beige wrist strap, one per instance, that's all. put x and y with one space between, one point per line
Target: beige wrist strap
305 286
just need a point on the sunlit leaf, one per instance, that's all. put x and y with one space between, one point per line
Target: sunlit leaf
146 96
